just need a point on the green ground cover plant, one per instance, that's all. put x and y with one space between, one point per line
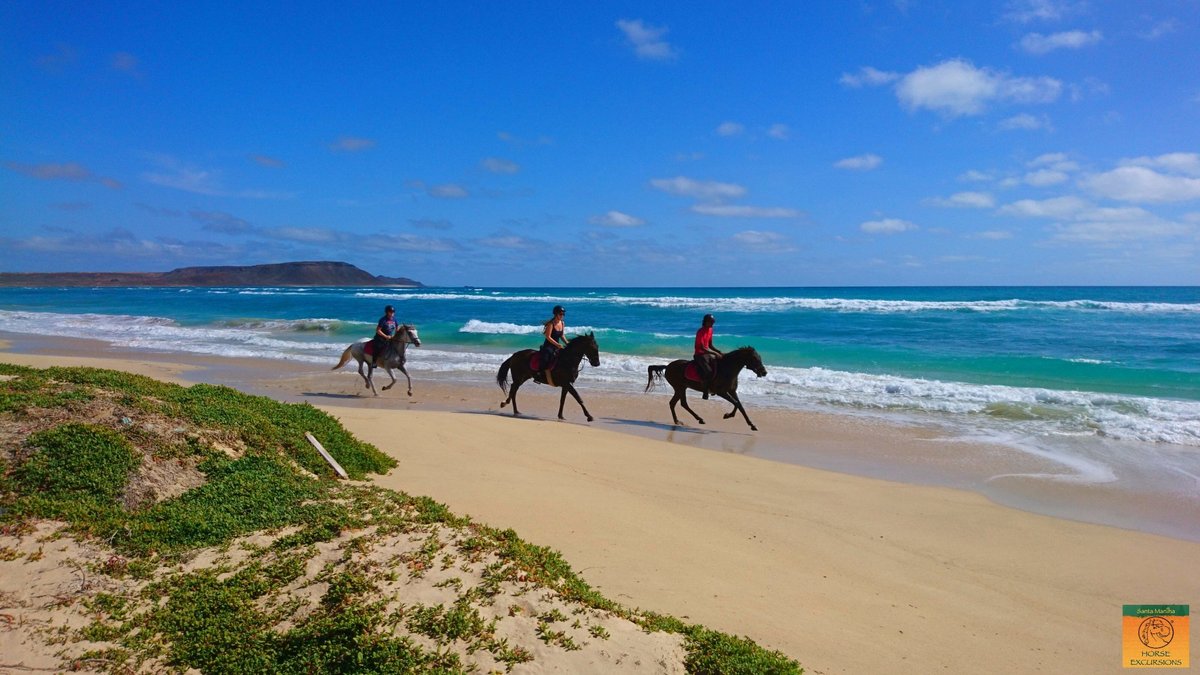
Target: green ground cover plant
301 571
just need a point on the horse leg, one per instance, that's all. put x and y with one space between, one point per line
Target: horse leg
681 395
391 375
371 378
366 380
568 387
512 396
732 397
407 378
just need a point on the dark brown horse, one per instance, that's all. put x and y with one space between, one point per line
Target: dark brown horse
724 382
563 374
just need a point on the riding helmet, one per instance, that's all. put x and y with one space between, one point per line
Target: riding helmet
708 320
558 309
389 308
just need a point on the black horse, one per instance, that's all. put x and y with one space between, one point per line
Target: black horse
563 374
724 382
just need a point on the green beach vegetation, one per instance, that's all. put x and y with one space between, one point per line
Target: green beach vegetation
212 536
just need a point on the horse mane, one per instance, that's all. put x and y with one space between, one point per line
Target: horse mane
588 334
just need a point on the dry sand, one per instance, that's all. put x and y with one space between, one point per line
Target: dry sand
844 573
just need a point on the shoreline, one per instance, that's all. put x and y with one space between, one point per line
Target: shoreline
845 573
857 445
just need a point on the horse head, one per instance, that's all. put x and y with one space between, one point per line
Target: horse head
753 361
756 363
408 333
587 343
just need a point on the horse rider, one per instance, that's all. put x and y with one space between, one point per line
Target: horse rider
385 330
553 330
706 354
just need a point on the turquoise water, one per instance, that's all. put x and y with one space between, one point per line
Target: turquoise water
1119 363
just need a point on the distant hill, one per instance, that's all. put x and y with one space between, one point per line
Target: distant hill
318 273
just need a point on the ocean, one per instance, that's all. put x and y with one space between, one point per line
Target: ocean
1091 378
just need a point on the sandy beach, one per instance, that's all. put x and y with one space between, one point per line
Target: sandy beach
846 573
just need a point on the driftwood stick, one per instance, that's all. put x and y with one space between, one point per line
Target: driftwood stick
325 453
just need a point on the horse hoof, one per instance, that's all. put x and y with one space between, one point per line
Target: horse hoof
729 415
700 421
589 418
753 428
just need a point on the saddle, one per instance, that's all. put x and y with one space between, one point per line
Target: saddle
692 372
369 351
535 363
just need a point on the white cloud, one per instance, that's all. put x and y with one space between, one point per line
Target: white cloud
513 139
267 161
738 211
1160 29
1057 161
498 165
351 144
1036 43
1117 225
1026 122
220 221
779 131
1057 207
307 235
647 41
969 200
974 176
730 129
887 226
616 219
1045 177
1187 163
757 239
409 242
868 77
1027 11
509 241
125 62
698 189
860 162
448 191
118 242
1141 184
994 235
955 88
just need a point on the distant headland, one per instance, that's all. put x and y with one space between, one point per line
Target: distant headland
311 273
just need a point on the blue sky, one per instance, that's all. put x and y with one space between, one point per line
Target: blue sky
904 142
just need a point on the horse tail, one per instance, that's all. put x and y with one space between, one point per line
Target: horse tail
345 358
653 372
502 375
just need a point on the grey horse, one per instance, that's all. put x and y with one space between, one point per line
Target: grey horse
393 353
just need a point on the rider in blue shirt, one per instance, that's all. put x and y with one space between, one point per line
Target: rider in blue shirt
384 330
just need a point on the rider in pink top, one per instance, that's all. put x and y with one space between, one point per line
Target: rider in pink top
706 354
